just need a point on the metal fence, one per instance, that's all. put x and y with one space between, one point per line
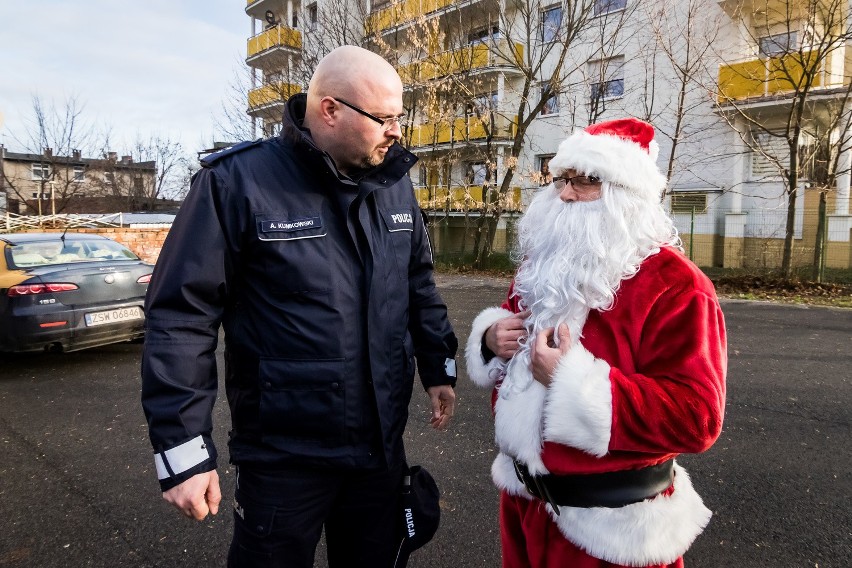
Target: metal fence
744 242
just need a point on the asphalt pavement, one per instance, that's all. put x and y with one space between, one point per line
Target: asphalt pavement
78 486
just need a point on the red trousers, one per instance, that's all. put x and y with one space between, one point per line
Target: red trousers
531 539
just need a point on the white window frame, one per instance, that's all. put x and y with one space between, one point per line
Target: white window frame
549 30
551 107
313 16
109 178
79 174
604 7
543 161
38 171
488 34
612 78
777 44
476 173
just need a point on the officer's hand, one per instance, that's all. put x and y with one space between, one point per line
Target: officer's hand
503 335
196 496
443 404
545 354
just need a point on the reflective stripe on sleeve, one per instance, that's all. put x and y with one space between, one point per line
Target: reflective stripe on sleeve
450 367
181 458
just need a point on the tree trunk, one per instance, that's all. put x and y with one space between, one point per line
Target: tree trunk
787 256
819 245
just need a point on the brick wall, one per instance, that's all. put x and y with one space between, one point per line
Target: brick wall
146 243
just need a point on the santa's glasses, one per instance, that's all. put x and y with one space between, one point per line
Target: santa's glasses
579 183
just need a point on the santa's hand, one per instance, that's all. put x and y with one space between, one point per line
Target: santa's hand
545 354
503 335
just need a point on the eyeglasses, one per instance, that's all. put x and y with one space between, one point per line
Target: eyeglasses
387 123
579 183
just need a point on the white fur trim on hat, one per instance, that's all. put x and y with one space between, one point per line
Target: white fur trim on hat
578 408
480 372
612 159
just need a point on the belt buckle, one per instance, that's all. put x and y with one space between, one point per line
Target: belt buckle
535 485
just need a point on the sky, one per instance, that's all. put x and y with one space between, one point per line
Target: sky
139 68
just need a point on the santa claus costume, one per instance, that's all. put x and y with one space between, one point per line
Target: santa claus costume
586 465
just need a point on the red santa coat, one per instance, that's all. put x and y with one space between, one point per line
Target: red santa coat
645 382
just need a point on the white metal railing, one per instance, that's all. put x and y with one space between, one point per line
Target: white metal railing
14 223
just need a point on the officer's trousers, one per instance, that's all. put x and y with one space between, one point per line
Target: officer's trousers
279 515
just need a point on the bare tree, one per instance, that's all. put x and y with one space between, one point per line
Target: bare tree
681 52
56 136
799 73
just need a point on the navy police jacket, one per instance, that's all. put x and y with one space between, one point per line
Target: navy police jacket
323 286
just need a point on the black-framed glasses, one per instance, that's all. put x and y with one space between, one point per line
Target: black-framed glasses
387 123
579 183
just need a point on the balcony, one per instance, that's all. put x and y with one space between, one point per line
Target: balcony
477 57
777 76
462 130
271 95
402 12
275 38
461 198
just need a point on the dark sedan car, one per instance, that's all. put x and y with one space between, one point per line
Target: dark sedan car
69 291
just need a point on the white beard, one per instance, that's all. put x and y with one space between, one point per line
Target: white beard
575 256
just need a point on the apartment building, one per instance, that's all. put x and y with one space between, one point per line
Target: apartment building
47 183
492 87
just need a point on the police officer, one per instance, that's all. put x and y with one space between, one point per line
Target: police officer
310 251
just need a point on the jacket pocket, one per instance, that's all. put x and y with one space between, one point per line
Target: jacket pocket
302 399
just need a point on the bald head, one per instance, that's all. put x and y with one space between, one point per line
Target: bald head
352 92
353 72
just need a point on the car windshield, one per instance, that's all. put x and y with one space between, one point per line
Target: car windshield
46 253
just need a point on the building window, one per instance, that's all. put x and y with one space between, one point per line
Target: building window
422 175
689 202
138 184
606 6
551 20
477 173
544 174
312 16
482 105
485 35
109 178
551 106
768 149
41 172
777 44
79 173
607 78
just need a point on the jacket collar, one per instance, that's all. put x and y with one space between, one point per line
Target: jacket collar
396 164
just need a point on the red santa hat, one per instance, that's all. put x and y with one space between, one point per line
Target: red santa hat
621 151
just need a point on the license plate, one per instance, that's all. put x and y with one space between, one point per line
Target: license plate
113 316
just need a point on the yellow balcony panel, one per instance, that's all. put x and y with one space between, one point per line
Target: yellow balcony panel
278 36
464 198
463 60
769 76
402 12
272 93
461 130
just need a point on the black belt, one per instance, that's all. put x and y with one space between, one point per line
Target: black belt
610 489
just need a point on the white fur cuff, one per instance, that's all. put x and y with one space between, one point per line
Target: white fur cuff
578 408
477 369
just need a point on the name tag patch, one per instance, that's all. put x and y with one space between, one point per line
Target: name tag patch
288 226
399 220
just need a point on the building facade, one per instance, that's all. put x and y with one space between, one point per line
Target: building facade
50 184
492 87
